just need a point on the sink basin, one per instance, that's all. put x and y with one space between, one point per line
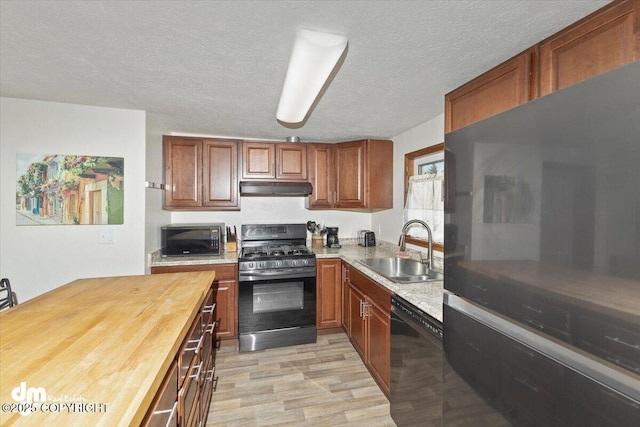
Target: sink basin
404 270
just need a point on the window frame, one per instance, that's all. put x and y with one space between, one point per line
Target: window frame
409 169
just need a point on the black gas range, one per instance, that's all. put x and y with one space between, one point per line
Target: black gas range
277 287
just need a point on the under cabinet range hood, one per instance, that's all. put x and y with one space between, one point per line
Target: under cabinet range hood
274 188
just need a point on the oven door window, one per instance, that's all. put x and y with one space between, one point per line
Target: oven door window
276 304
278 297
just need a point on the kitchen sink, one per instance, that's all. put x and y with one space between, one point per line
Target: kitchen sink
403 270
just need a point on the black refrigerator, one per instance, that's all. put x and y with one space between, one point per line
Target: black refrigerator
542 285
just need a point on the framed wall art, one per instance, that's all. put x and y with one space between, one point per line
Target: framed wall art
69 189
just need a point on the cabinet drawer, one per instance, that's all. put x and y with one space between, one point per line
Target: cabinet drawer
614 341
540 314
471 350
528 399
538 368
376 293
188 396
484 290
594 405
189 349
164 411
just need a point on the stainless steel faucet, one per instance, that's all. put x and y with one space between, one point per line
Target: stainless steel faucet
405 228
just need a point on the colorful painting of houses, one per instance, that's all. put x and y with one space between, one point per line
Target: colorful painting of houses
69 189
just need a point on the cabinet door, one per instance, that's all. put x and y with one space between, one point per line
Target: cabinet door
379 343
321 175
258 160
506 86
182 172
345 299
329 301
291 162
350 169
220 174
598 43
356 321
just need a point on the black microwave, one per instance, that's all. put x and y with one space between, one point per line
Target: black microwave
192 239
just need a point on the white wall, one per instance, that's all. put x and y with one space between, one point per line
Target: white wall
155 216
39 258
281 210
388 223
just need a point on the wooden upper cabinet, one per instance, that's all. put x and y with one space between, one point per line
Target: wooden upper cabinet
603 41
182 172
321 175
291 162
200 174
508 85
270 160
220 173
258 160
364 174
351 175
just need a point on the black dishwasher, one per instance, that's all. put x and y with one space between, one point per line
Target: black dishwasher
416 366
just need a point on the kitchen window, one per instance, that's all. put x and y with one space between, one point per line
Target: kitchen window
425 194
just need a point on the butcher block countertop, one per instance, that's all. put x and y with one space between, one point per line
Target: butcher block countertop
99 348
613 296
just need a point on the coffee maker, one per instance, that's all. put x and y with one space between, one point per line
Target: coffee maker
332 237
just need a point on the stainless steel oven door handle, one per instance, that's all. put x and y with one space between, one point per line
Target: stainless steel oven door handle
296 273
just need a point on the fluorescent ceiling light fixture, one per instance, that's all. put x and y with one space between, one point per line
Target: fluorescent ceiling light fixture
314 57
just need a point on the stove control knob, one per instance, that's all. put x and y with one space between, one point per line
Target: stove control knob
251 266
294 262
278 263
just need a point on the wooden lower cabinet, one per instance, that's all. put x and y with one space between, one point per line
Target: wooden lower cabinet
184 396
369 319
226 298
329 294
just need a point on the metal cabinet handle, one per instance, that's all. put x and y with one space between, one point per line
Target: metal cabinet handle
211 374
199 368
209 308
526 384
619 341
211 328
620 399
173 411
623 364
534 323
197 347
470 344
535 310
361 308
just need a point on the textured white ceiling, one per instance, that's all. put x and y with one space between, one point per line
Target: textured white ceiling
217 67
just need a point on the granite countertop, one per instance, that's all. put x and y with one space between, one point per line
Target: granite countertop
427 296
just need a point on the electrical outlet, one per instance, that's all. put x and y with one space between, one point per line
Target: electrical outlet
106 237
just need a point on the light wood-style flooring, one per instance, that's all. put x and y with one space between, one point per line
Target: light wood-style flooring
322 384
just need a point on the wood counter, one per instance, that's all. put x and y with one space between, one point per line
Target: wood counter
104 344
